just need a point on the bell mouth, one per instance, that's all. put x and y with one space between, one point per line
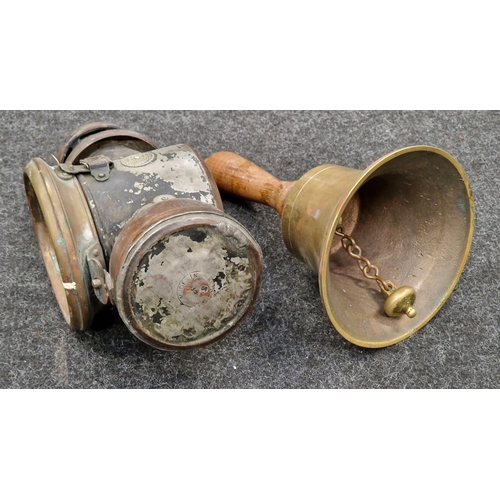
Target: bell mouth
412 214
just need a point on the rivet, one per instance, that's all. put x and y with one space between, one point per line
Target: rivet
96 253
96 283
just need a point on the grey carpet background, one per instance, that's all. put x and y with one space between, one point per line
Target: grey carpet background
287 341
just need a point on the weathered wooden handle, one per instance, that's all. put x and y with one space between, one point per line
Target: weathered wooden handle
239 176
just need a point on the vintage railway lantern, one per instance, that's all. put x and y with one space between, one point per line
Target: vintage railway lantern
121 222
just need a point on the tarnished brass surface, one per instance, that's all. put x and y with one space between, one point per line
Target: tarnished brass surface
64 228
401 301
412 213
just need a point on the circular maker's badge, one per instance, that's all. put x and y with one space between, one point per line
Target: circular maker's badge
138 160
194 289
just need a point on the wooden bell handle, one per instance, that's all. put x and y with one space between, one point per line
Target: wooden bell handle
239 176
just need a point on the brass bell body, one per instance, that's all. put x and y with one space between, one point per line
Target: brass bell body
121 222
412 214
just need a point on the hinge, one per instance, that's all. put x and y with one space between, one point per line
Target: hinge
98 275
98 166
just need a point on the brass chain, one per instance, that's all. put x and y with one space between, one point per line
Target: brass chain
368 269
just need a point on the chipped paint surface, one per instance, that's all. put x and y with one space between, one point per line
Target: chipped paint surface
177 166
192 285
139 179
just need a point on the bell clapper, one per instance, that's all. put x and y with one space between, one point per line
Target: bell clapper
398 300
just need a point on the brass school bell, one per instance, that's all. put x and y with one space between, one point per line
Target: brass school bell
121 222
388 243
